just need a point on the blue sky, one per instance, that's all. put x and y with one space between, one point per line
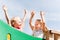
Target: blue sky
50 7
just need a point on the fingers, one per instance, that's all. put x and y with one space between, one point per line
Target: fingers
41 13
4 8
32 13
25 11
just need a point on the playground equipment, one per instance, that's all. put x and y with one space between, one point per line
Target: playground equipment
9 33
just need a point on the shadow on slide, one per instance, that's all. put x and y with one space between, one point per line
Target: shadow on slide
9 33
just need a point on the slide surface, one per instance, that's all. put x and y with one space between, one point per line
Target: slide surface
9 33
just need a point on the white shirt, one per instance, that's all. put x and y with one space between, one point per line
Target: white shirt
38 33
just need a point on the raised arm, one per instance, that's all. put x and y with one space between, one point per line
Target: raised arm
24 15
43 21
6 14
30 22
42 16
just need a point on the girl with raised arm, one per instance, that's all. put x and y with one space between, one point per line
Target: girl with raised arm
16 22
39 28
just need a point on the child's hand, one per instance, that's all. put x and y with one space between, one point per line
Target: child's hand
4 8
32 13
25 11
41 13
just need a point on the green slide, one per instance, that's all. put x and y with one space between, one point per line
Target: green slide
14 34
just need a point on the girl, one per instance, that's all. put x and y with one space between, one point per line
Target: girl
16 22
39 28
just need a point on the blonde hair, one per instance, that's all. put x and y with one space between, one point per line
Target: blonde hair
14 19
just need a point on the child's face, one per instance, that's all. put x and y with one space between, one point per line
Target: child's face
17 23
37 24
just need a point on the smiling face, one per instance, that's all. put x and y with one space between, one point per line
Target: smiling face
16 22
37 24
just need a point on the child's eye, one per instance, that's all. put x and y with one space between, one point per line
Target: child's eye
19 22
36 24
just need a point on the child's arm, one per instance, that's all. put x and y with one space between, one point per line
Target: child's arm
42 16
6 14
45 30
24 15
43 21
30 22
